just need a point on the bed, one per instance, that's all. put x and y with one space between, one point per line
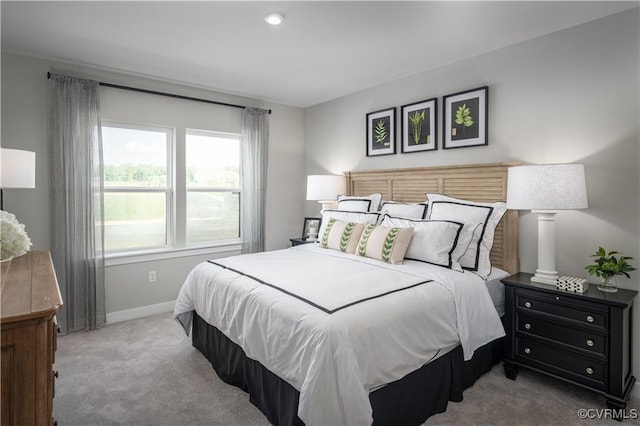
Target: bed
318 336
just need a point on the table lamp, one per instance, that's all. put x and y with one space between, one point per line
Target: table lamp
325 189
18 170
544 189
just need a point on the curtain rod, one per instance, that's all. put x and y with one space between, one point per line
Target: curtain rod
170 95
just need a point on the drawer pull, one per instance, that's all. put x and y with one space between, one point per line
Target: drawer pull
527 351
589 370
527 326
527 304
590 318
590 343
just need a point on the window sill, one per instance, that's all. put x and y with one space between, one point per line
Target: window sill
169 253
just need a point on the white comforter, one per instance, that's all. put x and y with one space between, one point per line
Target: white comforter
336 326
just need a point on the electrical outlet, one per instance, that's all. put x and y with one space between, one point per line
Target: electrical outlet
152 276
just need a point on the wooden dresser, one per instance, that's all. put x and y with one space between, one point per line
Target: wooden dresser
30 299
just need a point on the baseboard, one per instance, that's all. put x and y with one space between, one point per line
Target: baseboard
143 311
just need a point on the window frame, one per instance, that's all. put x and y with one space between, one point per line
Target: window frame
226 135
168 189
176 191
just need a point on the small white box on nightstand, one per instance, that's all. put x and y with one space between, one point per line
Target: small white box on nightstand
576 285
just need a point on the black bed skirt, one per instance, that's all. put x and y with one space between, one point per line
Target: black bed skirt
408 401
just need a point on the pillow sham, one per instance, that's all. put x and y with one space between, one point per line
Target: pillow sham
439 242
342 236
384 243
355 205
404 210
471 213
350 203
346 216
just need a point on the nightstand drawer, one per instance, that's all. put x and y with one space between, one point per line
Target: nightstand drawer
587 340
561 306
573 367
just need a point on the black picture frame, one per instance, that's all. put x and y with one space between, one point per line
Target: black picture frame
381 132
466 118
307 222
419 126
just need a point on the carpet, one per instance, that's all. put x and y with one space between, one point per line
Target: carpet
145 372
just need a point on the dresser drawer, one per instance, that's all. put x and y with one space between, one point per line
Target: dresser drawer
583 370
587 340
585 312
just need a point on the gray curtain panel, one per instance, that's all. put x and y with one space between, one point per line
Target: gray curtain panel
254 148
77 220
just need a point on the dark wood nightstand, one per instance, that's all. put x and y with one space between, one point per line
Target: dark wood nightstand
298 241
581 338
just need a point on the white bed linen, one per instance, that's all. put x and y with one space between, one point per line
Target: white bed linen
335 359
496 288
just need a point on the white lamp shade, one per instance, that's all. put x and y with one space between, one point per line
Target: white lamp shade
18 169
324 187
547 187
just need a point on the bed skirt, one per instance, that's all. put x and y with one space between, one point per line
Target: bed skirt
408 401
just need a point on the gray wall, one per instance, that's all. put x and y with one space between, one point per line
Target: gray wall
571 96
568 97
24 126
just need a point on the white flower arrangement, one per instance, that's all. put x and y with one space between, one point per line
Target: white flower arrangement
13 237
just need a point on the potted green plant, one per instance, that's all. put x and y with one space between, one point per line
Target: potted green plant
607 266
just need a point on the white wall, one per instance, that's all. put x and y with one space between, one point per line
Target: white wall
572 96
24 126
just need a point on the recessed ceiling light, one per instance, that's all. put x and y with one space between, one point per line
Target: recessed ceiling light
274 18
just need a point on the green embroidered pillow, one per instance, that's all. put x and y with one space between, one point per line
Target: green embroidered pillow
343 236
384 243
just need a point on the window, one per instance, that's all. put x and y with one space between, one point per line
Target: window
144 187
137 195
213 186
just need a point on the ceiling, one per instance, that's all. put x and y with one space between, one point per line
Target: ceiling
322 51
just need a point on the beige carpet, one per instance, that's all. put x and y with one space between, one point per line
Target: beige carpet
145 372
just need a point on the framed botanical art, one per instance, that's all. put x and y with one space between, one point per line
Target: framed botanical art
418 126
381 132
466 118
311 227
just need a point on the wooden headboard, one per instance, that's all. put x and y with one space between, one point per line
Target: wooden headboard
479 182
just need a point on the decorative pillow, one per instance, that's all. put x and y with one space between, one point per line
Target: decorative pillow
384 243
358 203
471 213
343 236
346 216
404 210
439 242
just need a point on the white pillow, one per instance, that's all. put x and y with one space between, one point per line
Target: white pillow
471 213
346 216
358 203
388 244
355 205
404 210
342 236
439 242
